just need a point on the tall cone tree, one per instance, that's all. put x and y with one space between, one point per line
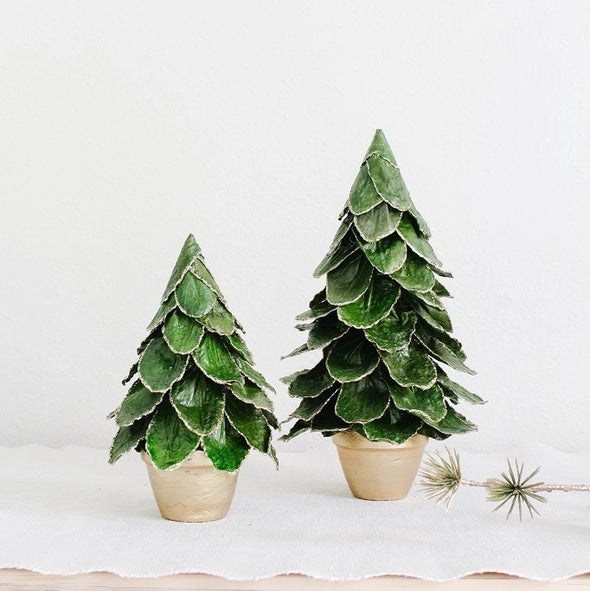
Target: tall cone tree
380 322
194 387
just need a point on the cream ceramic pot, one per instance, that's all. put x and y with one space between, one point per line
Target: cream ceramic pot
378 470
195 491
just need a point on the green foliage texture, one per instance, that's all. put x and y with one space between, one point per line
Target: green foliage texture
194 386
380 323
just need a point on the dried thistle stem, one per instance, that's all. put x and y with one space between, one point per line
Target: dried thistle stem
563 488
441 478
548 488
473 483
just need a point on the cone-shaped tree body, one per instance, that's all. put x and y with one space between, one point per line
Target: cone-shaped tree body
193 386
380 322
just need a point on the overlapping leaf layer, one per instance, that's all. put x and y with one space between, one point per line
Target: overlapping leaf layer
380 322
193 386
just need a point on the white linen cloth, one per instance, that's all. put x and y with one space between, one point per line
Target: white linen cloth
66 511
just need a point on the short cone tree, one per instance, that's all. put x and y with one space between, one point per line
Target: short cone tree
380 323
193 386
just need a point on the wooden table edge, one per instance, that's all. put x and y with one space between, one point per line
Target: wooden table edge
25 580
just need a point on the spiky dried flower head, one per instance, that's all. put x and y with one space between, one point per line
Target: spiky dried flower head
441 476
515 489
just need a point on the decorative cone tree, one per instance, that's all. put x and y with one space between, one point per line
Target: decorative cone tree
194 387
380 322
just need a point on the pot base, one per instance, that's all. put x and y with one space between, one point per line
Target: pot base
379 470
193 492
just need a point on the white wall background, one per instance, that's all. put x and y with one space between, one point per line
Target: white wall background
124 126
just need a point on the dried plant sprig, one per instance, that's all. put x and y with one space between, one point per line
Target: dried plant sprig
441 478
512 488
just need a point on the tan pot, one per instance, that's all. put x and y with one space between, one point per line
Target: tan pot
194 491
378 470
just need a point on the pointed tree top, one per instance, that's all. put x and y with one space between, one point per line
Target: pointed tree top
191 245
189 252
381 147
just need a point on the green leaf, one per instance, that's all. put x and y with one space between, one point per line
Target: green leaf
341 232
168 440
459 390
318 307
432 433
193 297
214 360
189 252
219 320
253 375
438 319
310 407
249 421
363 195
138 403
153 335
302 349
347 282
309 382
324 331
441 273
292 377
454 423
426 334
182 333
239 345
387 255
132 371
410 367
272 452
379 145
430 298
225 447
127 438
388 182
415 275
336 255
199 402
428 405
159 367
298 428
443 352
422 225
352 357
373 305
200 270
417 243
393 332
271 419
440 290
449 396
327 421
364 400
162 312
378 223
252 394
392 427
